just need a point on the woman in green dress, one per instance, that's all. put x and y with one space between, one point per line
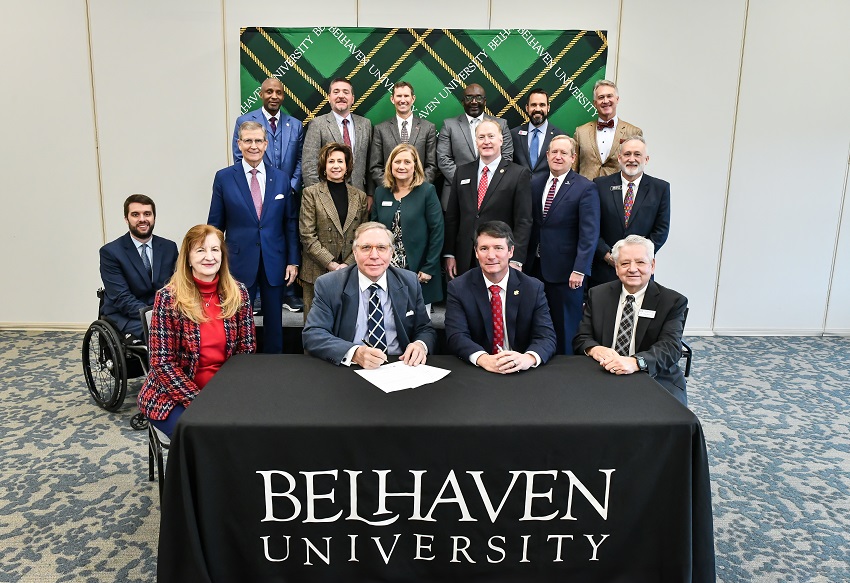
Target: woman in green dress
409 207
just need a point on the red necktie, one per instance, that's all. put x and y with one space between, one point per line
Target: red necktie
255 192
630 200
273 123
346 137
498 326
550 196
601 125
482 186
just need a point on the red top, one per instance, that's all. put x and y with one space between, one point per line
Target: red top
213 340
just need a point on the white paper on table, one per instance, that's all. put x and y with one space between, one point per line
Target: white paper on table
398 376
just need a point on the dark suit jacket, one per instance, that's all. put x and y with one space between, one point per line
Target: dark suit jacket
455 147
521 154
330 327
567 236
658 339
275 233
126 282
323 130
650 218
469 321
385 137
284 148
507 199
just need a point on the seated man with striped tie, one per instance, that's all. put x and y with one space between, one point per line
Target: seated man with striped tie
365 312
634 324
133 267
497 317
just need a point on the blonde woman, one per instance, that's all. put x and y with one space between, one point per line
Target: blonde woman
200 319
408 206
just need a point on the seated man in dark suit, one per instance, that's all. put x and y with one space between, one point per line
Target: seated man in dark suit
133 267
497 317
367 311
634 324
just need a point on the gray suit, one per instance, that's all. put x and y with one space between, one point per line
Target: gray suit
385 137
331 324
455 147
324 130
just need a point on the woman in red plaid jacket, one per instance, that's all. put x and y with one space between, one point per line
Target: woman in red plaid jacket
199 319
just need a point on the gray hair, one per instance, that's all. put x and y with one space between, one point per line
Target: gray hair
639 138
251 125
563 137
368 226
633 240
605 83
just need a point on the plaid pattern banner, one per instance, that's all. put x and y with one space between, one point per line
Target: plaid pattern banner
439 63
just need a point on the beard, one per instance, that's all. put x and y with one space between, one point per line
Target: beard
633 171
139 235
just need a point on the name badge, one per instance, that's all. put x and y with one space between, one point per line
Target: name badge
618 187
646 314
523 133
465 181
387 203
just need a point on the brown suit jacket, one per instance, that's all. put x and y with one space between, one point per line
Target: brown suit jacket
588 162
323 238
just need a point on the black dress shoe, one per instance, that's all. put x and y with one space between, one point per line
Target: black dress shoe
293 304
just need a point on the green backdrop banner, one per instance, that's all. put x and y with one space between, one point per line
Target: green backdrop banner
439 63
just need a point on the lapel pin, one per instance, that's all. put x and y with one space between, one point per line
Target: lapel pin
502 171
516 292
567 182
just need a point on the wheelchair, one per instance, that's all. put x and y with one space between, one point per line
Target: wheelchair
108 363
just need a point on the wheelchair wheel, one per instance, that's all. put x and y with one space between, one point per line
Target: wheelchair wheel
104 366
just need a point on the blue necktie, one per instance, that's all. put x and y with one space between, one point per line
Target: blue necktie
534 148
145 259
376 336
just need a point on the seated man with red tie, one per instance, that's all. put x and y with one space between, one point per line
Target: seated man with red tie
497 317
634 324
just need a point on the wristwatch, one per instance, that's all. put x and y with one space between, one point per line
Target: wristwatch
641 363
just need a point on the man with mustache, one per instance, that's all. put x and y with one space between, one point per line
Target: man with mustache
531 140
133 267
599 141
343 127
631 203
456 141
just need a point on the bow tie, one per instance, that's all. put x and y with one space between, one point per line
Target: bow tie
601 125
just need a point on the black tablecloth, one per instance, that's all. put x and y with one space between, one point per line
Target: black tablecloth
284 469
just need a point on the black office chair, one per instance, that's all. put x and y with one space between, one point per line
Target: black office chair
158 442
108 361
687 353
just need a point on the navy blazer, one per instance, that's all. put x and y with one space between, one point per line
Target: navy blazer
126 282
567 237
507 199
331 323
650 218
521 153
658 339
469 320
284 147
276 233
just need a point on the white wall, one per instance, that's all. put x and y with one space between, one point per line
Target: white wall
142 97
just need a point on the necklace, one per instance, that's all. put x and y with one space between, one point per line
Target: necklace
207 298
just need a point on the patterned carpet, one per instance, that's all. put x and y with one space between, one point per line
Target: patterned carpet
76 505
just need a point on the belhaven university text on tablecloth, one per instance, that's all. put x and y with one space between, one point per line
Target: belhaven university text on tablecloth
357 515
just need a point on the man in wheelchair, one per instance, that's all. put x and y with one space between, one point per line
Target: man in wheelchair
133 267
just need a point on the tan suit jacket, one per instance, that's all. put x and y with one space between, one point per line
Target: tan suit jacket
323 238
589 162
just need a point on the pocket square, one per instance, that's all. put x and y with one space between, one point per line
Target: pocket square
410 313
279 197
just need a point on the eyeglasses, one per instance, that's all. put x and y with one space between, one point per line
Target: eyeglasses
475 98
250 142
366 248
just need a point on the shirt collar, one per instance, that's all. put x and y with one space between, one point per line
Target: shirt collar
364 282
491 166
339 118
261 167
615 122
139 244
502 283
638 294
469 118
542 127
635 181
269 116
